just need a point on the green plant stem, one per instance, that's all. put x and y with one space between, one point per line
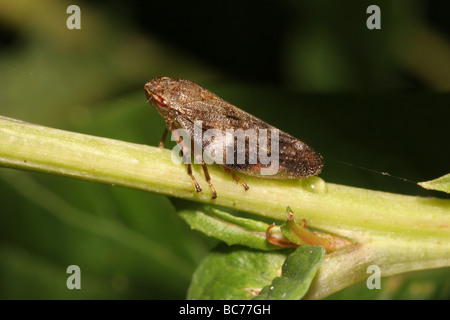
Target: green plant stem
396 232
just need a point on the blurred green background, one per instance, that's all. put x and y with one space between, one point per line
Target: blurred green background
377 99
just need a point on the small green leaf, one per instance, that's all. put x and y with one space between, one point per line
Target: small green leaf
298 271
439 184
235 273
300 234
224 225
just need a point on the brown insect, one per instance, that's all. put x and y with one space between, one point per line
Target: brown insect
187 106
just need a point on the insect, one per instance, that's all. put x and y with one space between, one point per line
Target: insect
247 142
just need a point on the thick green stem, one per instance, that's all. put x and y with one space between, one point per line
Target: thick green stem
398 233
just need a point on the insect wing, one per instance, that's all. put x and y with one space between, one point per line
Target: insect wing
294 158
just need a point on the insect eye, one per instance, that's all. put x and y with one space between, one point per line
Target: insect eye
162 102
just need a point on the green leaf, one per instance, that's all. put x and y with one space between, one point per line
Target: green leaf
439 184
298 271
224 225
300 234
235 273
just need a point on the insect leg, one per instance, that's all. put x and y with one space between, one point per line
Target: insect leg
185 152
163 138
189 170
205 171
235 177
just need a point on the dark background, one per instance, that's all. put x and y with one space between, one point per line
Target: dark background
377 99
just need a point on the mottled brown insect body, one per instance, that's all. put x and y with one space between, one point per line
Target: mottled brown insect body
185 105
